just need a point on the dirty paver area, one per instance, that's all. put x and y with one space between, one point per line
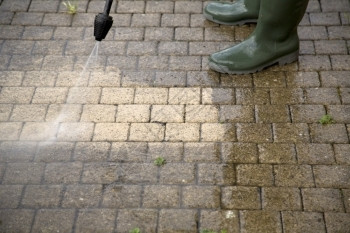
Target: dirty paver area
243 153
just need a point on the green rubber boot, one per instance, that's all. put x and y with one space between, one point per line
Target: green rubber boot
274 40
237 13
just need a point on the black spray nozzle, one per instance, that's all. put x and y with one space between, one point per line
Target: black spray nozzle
103 22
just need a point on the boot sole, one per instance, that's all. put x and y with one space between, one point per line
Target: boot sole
287 59
237 23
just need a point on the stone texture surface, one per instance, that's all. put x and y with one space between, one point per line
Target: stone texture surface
243 153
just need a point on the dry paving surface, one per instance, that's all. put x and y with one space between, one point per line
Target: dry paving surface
243 153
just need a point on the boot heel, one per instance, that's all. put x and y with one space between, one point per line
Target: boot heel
292 57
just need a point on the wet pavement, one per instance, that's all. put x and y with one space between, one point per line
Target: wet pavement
244 153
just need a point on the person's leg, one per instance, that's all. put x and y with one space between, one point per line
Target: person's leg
274 40
236 13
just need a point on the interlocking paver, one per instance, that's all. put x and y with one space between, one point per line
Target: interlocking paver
244 153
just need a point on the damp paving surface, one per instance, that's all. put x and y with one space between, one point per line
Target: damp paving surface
244 153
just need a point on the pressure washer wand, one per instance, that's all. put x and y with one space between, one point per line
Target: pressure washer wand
103 22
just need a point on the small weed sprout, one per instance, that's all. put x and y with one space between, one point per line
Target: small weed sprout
160 161
71 7
135 230
326 119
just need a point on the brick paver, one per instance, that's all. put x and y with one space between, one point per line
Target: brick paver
244 153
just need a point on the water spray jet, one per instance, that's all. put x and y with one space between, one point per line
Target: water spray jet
103 22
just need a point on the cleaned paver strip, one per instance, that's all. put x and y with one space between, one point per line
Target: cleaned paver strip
244 153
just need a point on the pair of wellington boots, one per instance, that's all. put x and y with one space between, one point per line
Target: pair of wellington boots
274 41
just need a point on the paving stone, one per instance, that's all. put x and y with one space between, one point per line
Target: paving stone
110 132
23 173
240 197
322 200
334 78
203 48
337 222
71 79
182 132
175 20
241 33
133 113
91 151
153 62
39 78
312 33
129 34
260 221
250 96
201 113
17 47
346 197
99 173
138 79
202 79
146 132
6 17
340 62
84 95
170 151
11 32
338 32
92 220
42 196
218 96
10 130
145 219
223 33
176 220
307 47
307 113
239 152
277 199
331 176
341 153
314 63
68 33
25 62
11 78
172 48
287 96
145 20
54 152
339 5
81 132
5 111
330 47
254 174
98 113
201 197
63 112
161 196
299 222
138 173
185 7
201 152
340 113
177 173
315 153
151 95
10 196
82 196
16 151
255 133
216 174
50 95
218 132
63 173
323 18
97 6
128 152
141 48
40 33
61 63
16 220
184 63
277 153
217 220
26 18
117 95
293 176
159 7
291 133
51 220
33 112
345 95
130 7
334 133
168 113
120 196
38 131
16 5
184 96
272 113
43 6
